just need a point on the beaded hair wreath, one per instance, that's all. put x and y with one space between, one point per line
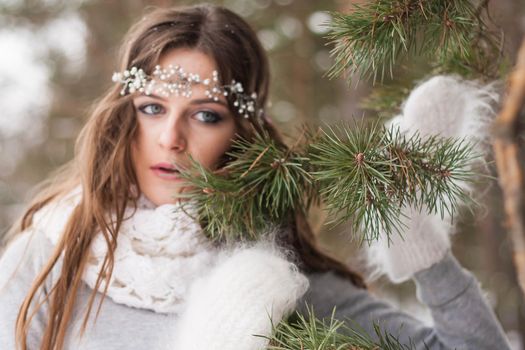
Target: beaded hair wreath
174 80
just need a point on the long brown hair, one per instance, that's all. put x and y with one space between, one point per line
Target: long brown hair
103 168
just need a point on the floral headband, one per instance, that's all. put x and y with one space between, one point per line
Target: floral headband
174 80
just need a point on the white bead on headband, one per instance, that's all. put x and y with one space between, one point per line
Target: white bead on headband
173 80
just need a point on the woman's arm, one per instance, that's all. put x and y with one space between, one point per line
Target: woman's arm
462 317
444 106
19 265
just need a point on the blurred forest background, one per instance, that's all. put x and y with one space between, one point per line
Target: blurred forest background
57 57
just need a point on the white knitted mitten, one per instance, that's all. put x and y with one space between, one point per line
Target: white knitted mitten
239 299
449 107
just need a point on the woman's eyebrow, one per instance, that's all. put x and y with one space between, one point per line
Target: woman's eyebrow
193 102
157 97
208 100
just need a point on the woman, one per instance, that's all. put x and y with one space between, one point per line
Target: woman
107 231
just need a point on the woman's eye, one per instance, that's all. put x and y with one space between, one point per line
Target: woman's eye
151 109
208 116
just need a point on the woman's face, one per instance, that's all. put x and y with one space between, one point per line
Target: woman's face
173 127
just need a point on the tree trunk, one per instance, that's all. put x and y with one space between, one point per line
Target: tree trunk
509 161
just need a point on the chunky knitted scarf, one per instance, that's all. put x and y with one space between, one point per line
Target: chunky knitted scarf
164 263
160 252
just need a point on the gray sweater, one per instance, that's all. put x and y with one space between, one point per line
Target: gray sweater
462 318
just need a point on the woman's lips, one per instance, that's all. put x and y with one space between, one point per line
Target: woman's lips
166 171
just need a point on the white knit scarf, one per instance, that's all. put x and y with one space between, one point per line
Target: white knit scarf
164 263
160 252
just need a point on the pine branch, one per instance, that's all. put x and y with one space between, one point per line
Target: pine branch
353 176
220 204
258 189
315 334
278 176
368 174
373 38
363 174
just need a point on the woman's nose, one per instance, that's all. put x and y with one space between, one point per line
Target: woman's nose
173 136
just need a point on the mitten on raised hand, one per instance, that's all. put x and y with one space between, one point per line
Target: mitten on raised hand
445 106
240 298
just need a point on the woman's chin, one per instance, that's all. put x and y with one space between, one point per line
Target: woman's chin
169 195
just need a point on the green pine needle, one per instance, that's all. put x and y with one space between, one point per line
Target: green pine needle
302 333
258 189
353 173
277 175
364 174
373 38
